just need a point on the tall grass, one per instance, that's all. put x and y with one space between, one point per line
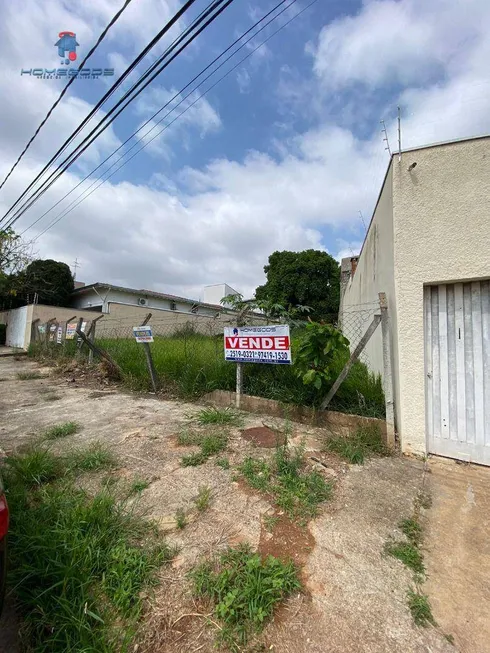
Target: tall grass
191 365
78 563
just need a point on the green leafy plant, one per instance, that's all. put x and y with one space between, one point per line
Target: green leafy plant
411 529
420 608
210 445
224 463
138 485
244 589
295 490
61 431
365 441
34 467
270 522
181 518
318 352
203 498
409 554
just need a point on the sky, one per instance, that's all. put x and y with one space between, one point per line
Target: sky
285 153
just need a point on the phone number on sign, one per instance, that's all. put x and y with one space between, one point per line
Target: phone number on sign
232 354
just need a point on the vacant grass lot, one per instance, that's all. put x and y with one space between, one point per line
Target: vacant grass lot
192 365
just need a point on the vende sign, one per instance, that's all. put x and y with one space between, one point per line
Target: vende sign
264 344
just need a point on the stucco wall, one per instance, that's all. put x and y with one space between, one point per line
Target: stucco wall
441 234
374 274
60 314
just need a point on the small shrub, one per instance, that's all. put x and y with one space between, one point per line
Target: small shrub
224 463
92 458
210 445
180 519
219 416
270 522
61 431
244 590
29 376
356 447
420 608
408 554
138 485
203 498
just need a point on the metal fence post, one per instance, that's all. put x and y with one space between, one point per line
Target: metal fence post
387 374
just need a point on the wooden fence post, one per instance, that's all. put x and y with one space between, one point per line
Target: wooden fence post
354 356
239 385
34 330
91 337
387 374
99 352
48 330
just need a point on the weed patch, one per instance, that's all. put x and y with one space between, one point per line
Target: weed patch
296 491
51 396
412 530
92 458
408 554
244 590
224 463
356 447
61 431
138 485
210 445
180 519
30 376
203 498
420 608
219 416
78 564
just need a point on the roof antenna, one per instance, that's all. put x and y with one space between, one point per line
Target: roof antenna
362 220
399 135
76 265
387 146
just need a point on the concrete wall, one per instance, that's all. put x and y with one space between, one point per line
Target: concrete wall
60 313
441 234
374 274
215 293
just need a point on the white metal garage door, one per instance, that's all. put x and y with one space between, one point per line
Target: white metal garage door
457 350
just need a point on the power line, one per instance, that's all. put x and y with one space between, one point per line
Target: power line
91 137
81 198
70 81
113 88
151 118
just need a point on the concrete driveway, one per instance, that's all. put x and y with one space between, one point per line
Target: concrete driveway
458 552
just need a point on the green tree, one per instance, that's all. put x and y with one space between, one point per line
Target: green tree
310 278
51 280
15 254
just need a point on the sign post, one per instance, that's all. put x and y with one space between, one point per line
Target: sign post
256 344
144 335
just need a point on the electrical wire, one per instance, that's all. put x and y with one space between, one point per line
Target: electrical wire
70 81
90 138
113 88
68 210
151 118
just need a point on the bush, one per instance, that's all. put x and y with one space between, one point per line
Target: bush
244 589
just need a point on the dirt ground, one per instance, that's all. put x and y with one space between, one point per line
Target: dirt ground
354 597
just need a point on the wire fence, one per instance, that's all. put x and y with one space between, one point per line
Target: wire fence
188 357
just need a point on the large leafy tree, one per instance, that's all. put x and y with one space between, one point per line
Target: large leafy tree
309 278
15 254
51 280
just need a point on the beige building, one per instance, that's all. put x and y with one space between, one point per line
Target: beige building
428 249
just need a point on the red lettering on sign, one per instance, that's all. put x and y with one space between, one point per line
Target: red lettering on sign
258 343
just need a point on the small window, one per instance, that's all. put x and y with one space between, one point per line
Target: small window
173 306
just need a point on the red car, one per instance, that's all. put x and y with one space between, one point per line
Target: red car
4 526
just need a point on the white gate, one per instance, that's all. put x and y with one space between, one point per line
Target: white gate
457 351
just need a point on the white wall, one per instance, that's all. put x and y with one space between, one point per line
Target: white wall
215 293
374 274
441 234
19 327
